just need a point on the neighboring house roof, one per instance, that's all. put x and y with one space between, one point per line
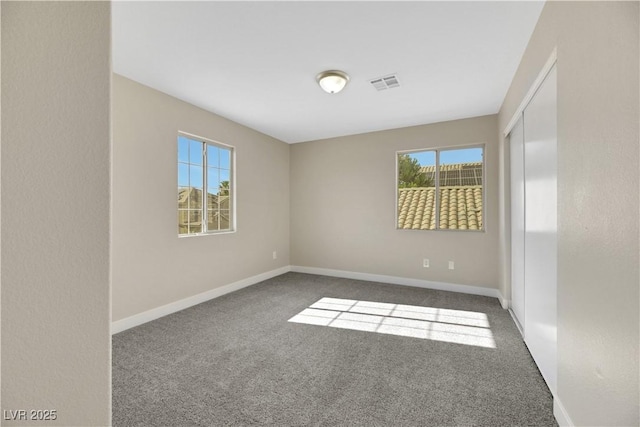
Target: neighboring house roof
460 208
190 205
191 198
183 197
456 174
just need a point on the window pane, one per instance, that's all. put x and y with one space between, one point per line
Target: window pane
225 220
224 178
464 155
183 149
416 190
183 175
461 189
212 220
416 169
225 158
212 200
225 189
196 179
195 221
195 152
224 201
195 198
212 155
213 181
183 221
183 198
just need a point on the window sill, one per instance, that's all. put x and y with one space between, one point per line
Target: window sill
217 233
443 229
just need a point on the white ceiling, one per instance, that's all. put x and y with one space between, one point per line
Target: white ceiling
256 62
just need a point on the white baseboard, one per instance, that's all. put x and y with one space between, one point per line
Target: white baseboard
156 313
505 303
517 322
562 417
404 281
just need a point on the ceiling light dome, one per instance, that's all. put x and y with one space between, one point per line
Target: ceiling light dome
332 81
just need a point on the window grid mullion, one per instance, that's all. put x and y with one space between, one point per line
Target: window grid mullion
437 184
205 189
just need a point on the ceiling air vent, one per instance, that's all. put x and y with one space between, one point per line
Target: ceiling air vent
386 82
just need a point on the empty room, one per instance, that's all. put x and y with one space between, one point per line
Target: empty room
320 213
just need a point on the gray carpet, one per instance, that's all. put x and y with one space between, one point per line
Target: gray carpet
236 360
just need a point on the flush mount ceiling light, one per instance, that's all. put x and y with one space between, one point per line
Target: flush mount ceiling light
332 81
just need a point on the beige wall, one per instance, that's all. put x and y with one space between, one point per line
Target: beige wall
55 211
598 205
343 207
151 265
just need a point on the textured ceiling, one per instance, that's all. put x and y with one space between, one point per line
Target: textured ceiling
256 62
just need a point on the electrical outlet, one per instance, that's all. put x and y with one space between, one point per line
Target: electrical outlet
275 255
425 263
451 265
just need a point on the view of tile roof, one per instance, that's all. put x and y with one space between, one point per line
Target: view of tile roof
456 174
460 208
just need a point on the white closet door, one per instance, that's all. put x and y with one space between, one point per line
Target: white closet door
516 147
541 247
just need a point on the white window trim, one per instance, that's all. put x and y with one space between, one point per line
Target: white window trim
232 186
437 186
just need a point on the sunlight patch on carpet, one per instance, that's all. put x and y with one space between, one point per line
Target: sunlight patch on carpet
439 324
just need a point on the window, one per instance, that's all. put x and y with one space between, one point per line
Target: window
441 189
205 186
